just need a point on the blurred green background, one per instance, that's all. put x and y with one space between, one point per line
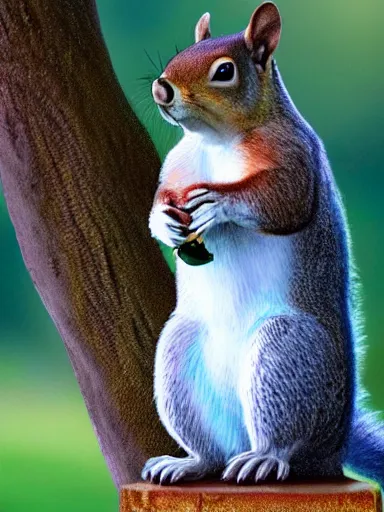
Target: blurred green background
330 58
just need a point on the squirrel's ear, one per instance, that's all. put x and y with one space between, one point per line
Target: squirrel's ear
263 33
202 30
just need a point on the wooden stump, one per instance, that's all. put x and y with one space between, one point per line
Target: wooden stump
341 496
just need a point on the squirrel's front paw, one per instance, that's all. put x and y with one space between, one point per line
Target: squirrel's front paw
250 465
206 208
169 225
167 469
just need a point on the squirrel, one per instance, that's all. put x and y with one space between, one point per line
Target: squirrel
255 372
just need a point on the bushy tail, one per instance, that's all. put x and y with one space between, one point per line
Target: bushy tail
365 454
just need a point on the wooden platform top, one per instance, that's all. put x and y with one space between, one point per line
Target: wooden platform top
334 496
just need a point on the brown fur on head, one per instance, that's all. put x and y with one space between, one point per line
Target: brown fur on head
204 96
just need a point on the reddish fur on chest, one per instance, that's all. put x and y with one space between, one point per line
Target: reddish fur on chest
259 152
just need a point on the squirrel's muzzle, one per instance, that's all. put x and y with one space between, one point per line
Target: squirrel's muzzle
162 92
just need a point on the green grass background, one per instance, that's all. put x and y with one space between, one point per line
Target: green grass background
331 59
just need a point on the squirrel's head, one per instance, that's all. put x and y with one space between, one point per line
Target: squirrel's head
221 84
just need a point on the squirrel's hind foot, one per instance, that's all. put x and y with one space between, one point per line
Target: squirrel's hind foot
253 466
169 470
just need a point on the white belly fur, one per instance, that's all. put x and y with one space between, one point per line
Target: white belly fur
231 296
246 283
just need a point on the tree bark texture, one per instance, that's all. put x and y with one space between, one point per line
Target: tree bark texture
79 174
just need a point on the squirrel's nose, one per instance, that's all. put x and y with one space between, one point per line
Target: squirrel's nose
162 92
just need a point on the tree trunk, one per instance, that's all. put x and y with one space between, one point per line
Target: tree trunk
79 174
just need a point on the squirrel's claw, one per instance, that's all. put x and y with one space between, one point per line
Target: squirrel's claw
203 218
249 465
206 214
195 192
169 225
203 227
198 197
167 469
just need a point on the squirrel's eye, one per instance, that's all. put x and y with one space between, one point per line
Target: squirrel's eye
224 73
